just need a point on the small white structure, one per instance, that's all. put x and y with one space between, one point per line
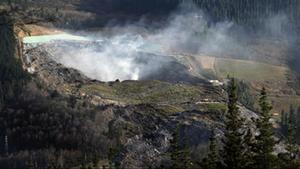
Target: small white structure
216 83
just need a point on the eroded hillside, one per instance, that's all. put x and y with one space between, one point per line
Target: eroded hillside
138 117
116 93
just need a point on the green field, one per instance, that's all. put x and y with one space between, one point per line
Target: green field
136 92
249 70
284 103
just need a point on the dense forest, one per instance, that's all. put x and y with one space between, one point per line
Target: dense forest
244 12
249 13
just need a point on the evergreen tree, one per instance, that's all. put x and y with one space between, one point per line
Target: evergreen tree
283 122
249 141
291 133
12 76
90 166
233 142
212 159
298 125
83 166
282 114
264 159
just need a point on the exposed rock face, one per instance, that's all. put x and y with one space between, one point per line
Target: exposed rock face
54 75
146 133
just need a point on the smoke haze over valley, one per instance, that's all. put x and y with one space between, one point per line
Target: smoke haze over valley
134 52
161 84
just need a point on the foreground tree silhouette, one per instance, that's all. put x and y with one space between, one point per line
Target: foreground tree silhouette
12 76
292 133
232 152
289 160
249 142
298 125
264 159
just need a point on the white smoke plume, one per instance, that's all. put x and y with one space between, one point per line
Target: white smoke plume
133 52
125 54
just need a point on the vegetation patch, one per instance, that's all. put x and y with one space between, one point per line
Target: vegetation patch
169 109
284 103
249 70
216 107
137 92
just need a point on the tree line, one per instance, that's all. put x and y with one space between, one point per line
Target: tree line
251 14
40 128
242 146
245 12
290 121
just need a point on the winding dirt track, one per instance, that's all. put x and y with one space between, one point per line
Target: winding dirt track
196 63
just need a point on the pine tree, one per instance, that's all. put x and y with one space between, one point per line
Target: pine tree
282 114
90 166
291 133
298 125
212 159
249 141
233 142
264 159
83 166
283 122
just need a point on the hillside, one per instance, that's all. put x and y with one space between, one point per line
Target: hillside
149 84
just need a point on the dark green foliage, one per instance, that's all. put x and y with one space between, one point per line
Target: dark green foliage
83 167
291 133
264 159
249 141
43 124
12 76
30 164
31 121
285 162
284 122
290 129
212 160
298 125
250 13
233 142
244 95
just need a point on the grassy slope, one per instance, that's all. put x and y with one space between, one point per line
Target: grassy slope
144 92
166 96
249 70
284 102
259 74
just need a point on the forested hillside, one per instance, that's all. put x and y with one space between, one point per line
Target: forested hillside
53 116
249 13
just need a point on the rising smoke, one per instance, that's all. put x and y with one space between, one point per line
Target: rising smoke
128 55
131 54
